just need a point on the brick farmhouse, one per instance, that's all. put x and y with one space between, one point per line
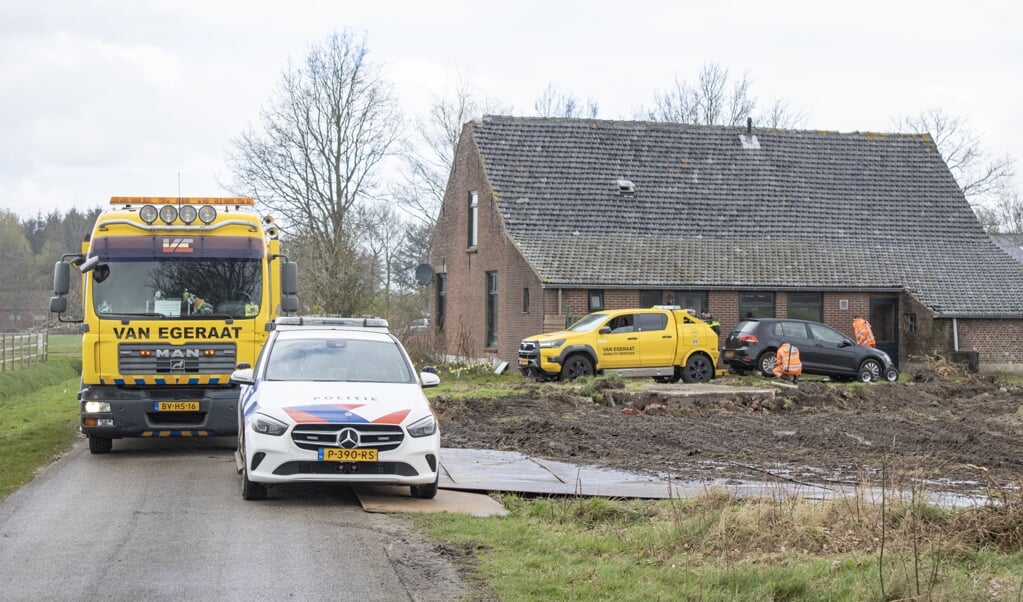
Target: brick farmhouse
545 220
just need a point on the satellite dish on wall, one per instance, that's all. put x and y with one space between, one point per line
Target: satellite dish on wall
424 274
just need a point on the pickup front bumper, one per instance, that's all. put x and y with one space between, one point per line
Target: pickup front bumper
533 365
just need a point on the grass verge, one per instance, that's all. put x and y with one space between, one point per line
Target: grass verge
718 547
38 417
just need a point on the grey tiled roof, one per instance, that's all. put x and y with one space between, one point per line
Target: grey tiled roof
792 209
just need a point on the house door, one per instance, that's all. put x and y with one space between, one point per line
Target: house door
883 314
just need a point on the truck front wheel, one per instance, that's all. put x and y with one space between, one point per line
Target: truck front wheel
698 369
575 366
100 445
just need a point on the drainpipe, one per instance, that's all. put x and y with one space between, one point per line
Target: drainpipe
559 302
955 335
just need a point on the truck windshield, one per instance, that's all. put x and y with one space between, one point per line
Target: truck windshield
588 323
178 288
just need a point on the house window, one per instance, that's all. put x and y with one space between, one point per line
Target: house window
650 298
694 300
525 300
491 309
756 305
806 306
474 214
442 297
595 300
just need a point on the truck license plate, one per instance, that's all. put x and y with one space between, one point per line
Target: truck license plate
338 454
523 361
177 406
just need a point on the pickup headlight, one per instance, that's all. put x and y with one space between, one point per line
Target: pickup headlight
552 344
424 427
268 426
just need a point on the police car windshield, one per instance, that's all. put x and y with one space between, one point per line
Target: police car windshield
178 289
337 360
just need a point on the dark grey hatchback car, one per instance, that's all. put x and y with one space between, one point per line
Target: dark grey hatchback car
822 350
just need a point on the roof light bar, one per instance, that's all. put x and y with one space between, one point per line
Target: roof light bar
331 321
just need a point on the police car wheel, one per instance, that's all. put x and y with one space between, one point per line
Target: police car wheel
424 492
252 490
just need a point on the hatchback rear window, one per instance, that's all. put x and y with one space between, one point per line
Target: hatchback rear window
747 326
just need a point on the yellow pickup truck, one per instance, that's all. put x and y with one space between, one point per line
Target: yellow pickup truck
667 343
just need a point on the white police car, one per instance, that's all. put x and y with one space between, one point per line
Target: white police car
335 400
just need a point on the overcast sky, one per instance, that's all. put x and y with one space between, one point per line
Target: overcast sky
106 98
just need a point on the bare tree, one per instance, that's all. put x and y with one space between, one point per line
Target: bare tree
314 160
983 179
1004 215
554 103
715 99
429 155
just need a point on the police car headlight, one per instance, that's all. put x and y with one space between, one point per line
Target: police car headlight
265 425
423 427
552 344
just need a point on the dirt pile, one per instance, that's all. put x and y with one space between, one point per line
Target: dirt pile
962 434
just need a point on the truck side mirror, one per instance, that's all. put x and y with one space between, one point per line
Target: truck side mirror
58 305
61 278
289 304
289 278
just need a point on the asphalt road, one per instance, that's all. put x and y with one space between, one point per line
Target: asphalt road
164 519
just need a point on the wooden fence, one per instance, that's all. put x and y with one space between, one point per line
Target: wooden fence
20 350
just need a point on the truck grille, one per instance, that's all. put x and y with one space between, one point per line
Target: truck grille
382 437
190 358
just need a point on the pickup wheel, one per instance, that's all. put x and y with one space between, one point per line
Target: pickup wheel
575 366
100 445
698 369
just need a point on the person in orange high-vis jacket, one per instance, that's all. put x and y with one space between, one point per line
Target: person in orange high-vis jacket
864 333
788 362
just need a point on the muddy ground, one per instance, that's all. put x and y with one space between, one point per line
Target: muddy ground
957 433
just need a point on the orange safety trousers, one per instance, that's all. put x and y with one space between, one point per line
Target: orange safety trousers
788 361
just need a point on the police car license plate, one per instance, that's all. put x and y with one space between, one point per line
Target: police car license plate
339 454
177 406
